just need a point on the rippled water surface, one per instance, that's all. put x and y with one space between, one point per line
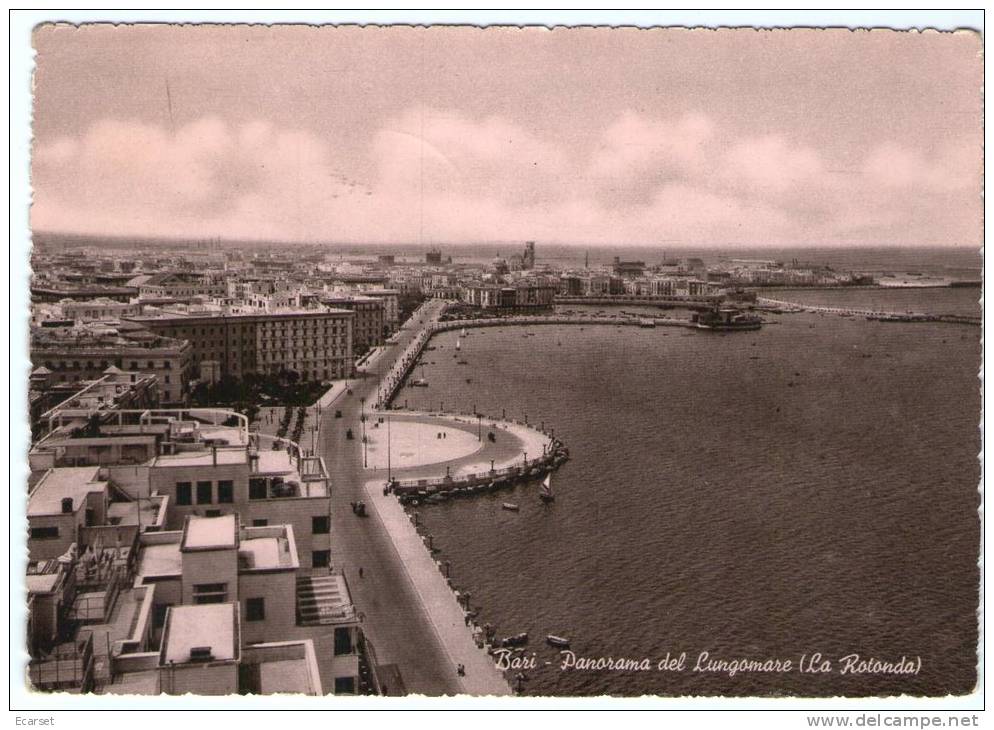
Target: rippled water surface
811 487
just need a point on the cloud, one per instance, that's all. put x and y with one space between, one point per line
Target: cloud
634 144
444 151
439 175
770 164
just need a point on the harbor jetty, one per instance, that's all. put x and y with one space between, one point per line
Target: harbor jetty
870 314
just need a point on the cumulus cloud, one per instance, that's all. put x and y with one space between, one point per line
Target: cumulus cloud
439 175
634 144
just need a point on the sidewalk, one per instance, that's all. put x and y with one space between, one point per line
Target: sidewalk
446 615
333 393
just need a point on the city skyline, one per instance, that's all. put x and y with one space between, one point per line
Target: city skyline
793 139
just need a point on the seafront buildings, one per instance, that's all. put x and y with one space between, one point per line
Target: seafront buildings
179 543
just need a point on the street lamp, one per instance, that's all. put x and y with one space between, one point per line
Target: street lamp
362 419
479 427
389 471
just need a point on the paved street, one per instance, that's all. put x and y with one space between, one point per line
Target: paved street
394 621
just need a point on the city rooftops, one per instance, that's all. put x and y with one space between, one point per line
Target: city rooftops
73 482
211 627
210 533
213 315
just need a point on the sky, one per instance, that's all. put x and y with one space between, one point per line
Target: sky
422 136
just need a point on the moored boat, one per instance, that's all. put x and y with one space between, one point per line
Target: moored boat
510 506
516 640
558 641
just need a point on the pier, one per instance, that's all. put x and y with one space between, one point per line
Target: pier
870 314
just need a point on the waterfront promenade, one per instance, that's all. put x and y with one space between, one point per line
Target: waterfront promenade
411 448
448 618
396 619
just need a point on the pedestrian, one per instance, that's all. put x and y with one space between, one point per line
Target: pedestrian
360 571
460 670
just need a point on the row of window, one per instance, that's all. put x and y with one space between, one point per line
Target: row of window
205 492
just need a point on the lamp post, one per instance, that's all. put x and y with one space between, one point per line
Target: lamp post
362 419
389 469
479 427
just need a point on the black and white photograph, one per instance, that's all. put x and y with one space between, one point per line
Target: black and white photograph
380 361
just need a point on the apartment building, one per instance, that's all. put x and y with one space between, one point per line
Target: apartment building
368 321
391 306
317 344
76 355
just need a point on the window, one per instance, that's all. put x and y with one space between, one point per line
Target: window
257 488
260 523
225 491
44 533
343 641
344 685
205 492
255 609
210 593
320 558
213 513
320 525
184 493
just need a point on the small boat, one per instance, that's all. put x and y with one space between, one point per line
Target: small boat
419 383
463 331
558 641
546 494
510 506
516 640
458 346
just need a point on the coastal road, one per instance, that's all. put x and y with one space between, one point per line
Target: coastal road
394 619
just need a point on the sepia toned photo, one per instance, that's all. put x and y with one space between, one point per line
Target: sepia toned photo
395 360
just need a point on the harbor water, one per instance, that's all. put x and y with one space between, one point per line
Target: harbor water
809 487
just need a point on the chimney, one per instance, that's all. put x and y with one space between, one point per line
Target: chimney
214 454
67 505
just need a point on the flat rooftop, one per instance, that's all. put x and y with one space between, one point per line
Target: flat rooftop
41 583
59 483
155 561
207 625
275 462
210 533
142 512
267 553
225 456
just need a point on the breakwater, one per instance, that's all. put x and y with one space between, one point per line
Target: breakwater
662 302
870 314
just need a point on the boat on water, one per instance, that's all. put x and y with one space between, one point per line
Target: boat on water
726 319
516 640
419 383
545 493
458 346
557 641
510 506
463 331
